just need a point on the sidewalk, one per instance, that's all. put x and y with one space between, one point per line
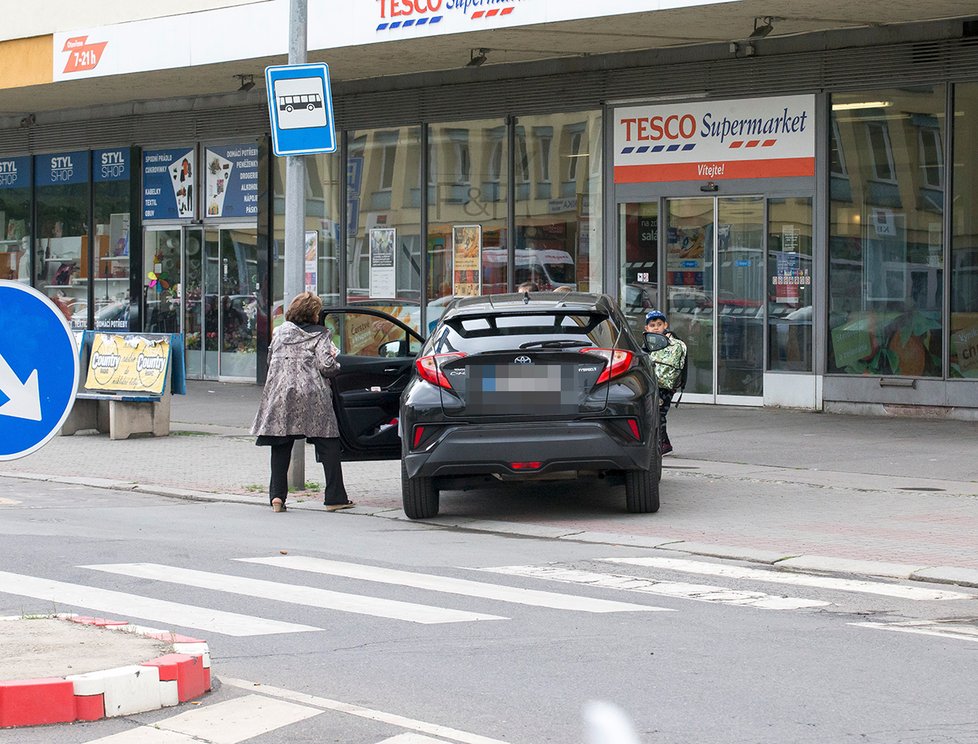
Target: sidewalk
755 484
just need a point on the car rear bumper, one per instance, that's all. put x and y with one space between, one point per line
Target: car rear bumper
491 448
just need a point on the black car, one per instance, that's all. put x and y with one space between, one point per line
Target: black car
509 387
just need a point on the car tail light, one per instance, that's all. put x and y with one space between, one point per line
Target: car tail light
633 428
617 361
429 368
418 436
533 465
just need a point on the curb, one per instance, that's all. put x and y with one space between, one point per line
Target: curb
158 683
782 561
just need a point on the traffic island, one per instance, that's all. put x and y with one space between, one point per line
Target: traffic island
63 668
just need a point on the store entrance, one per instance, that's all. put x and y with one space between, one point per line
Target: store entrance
708 256
203 282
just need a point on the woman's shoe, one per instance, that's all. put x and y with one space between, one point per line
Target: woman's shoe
337 507
278 505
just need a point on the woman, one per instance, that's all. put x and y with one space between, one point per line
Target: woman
297 402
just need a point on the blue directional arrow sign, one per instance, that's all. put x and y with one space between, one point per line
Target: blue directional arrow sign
38 370
300 109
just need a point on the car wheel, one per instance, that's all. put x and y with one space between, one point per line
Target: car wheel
642 488
419 495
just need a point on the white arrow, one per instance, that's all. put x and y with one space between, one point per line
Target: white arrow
25 397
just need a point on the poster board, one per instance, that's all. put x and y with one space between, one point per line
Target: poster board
128 363
312 262
383 269
467 260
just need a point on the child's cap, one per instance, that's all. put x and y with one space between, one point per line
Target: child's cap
655 315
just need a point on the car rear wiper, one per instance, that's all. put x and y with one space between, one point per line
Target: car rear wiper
555 344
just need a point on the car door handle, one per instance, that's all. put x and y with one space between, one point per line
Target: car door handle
389 370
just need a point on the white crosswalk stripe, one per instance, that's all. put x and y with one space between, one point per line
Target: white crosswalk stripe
292 594
699 592
228 722
926 627
451 585
797 579
131 606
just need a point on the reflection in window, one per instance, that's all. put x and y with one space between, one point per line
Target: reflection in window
112 202
886 240
880 150
931 156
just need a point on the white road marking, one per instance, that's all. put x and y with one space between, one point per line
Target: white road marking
228 722
411 739
303 595
700 592
8 502
927 627
131 606
450 585
782 577
421 727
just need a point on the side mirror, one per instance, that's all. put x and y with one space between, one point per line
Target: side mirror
655 341
393 349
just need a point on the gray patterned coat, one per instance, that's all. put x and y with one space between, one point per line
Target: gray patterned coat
298 397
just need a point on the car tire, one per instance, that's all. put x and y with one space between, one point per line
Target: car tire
642 488
419 496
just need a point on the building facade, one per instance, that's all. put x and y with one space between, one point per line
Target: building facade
797 194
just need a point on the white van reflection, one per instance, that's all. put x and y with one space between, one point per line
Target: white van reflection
549 269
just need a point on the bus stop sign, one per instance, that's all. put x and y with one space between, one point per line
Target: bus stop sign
300 109
38 370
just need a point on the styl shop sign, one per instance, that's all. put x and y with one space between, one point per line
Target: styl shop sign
403 14
719 140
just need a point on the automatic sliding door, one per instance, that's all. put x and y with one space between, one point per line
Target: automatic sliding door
689 238
740 296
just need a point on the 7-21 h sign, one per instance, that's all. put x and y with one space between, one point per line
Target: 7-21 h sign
300 109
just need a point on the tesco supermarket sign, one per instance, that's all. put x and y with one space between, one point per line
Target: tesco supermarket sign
743 138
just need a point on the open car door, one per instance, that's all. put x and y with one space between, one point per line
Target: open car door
376 358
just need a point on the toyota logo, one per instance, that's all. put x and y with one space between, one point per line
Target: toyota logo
523 360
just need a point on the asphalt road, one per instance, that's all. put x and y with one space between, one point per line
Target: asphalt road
370 656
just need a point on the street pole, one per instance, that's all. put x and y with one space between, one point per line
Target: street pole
295 218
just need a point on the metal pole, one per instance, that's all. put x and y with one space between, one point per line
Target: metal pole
295 218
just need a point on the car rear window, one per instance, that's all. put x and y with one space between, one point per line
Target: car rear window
491 332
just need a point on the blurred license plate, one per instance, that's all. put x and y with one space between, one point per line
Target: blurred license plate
523 378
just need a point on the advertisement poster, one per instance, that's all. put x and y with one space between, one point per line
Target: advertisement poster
382 268
312 261
129 363
168 184
467 260
231 180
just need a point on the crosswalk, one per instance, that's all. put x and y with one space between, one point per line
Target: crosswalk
588 590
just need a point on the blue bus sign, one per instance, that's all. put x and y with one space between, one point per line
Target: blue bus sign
300 109
38 370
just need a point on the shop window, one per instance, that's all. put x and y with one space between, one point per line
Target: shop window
886 243
62 259
383 243
554 245
15 219
466 245
111 177
789 284
963 351
521 165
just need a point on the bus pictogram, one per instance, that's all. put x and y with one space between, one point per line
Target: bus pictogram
310 102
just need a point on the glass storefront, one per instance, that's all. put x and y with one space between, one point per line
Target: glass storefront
963 349
111 173
61 246
15 219
790 292
886 232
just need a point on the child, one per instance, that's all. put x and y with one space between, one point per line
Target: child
668 366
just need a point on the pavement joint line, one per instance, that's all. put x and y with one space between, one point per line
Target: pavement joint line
951 575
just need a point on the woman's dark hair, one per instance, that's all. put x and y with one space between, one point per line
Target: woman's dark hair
304 309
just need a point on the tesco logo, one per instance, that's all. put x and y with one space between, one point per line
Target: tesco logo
656 128
395 8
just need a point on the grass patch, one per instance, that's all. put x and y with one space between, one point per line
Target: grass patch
190 434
